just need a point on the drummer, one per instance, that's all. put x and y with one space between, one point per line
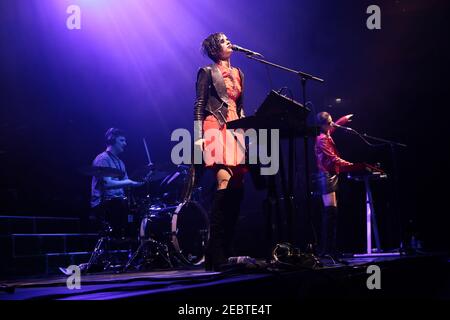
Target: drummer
108 199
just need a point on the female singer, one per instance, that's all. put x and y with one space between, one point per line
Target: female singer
219 95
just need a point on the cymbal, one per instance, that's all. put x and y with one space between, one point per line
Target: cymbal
164 166
101 171
158 175
149 175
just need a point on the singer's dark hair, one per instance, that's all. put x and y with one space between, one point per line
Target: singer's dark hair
211 46
323 118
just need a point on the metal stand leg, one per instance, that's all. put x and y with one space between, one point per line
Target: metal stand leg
99 249
97 252
371 225
373 220
164 252
134 256
143 250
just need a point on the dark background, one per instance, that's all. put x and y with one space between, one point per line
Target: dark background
133 65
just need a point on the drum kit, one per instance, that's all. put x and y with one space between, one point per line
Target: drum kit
173 225
170 225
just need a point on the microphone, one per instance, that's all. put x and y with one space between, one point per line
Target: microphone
246 51
341 127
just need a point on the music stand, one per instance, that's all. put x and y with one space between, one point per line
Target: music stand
278 104
292 116
304 77
289 116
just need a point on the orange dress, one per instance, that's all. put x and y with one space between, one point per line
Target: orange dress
224 148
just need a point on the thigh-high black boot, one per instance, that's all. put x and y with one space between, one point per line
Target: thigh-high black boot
234 200
329 227
215 255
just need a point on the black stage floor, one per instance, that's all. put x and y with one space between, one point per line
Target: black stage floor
414 276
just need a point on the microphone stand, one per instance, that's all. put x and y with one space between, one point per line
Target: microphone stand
303 75
384 141
292 168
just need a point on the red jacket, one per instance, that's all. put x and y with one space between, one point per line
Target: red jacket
327 156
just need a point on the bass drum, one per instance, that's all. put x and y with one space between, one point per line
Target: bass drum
184 228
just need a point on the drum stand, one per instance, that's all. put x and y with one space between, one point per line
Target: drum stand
149 250
100 248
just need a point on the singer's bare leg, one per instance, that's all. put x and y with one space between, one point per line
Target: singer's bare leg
329 199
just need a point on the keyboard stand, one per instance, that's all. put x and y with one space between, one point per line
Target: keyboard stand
371 222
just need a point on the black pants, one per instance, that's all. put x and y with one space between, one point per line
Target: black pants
115 214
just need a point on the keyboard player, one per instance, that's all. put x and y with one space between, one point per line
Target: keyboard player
329 164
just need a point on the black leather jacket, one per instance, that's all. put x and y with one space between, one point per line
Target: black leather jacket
212 97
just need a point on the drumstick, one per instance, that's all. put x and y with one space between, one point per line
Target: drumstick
148 154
